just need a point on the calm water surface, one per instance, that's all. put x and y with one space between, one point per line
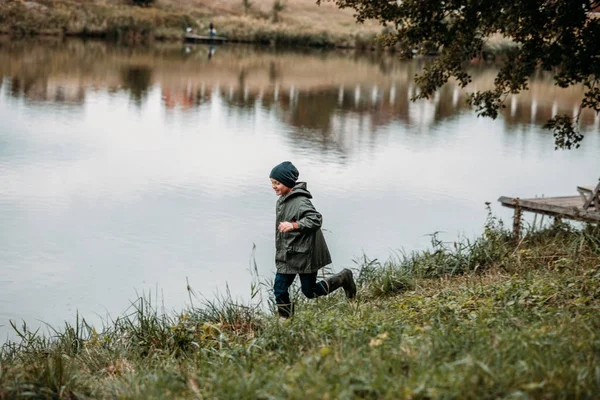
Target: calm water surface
127 171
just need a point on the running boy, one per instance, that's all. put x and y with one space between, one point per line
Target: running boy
299 243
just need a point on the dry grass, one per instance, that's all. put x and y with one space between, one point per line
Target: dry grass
299 22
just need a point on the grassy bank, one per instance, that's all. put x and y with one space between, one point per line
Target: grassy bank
484 319
292 23
301 22
91 19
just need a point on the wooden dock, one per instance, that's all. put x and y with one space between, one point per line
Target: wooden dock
569 207
190 37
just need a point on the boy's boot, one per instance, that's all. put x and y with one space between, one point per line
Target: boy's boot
344 280
285 310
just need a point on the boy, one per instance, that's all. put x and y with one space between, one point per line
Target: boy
300 244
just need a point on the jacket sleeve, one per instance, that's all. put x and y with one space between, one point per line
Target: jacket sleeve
310 219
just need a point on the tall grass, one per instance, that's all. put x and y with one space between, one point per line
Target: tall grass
126 23
294 23
120 22
477 319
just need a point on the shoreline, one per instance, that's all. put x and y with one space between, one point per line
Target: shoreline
489 318
133 24
297 25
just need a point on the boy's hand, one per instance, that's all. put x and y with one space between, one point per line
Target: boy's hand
286 227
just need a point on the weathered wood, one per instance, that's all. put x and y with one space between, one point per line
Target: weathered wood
586 193
517 221
567 207
190 37
590 195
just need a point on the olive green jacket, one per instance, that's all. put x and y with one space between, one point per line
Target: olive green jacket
302 250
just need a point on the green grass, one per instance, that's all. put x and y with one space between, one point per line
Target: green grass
484 319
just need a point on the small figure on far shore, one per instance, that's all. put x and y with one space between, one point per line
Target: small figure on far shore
211 30
300 244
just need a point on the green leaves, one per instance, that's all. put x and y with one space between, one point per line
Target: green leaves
566 134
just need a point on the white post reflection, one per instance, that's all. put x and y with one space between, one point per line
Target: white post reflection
455 95
513 106
534 105
374 91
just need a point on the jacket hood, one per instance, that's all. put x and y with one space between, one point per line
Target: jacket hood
299 189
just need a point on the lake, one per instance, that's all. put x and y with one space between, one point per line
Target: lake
130 170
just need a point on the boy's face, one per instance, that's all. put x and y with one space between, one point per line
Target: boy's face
279 188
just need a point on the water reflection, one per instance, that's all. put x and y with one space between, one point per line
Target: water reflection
137 167
310 92
137 80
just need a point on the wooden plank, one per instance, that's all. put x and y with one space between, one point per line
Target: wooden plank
587 189
570 207
592 199
587 194
565 201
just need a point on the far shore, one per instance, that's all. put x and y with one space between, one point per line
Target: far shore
301 23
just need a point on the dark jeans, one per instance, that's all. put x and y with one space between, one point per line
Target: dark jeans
310 287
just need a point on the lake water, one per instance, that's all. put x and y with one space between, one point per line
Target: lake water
131 170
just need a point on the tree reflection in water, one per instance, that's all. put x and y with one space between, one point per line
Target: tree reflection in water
137 80
324 96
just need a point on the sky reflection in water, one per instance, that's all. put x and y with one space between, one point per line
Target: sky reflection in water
129 170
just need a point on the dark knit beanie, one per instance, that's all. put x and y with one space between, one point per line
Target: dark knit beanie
285 173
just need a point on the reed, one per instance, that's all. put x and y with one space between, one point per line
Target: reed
294 24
